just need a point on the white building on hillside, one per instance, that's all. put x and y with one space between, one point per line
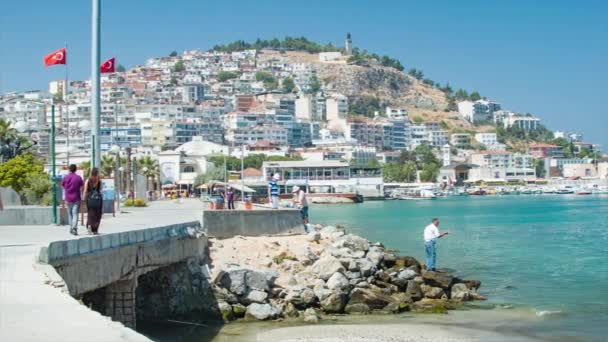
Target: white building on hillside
478 111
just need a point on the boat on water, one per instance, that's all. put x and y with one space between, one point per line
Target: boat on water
412 194
476 191
564 191
583 192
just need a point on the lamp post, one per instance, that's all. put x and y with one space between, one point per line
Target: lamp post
115 149
53 166
144 171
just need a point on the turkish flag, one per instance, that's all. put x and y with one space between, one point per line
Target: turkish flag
56 57
107 66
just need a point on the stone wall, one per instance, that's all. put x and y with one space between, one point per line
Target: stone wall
229 223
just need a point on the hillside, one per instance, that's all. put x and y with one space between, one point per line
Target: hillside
390 86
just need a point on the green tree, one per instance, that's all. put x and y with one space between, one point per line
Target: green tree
178 66
539 167
224 76
120 68
474 96
409 171
270 82
461 95
315 85
365 105
288 85
15 173
38 190
417 74
173 54
429 172
213 173
425 155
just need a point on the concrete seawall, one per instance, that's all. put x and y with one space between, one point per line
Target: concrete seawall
228 223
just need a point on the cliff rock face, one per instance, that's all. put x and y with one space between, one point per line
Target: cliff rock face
392 87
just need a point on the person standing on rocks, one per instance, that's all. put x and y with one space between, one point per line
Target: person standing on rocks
299 201
431 234
72 186
273 191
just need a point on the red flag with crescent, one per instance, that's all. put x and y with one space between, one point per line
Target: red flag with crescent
55 57
107 66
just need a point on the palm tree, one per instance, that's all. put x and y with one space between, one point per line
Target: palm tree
107 165
409 171
6 131
151 168
85 167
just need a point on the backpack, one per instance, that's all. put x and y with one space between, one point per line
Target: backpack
94 197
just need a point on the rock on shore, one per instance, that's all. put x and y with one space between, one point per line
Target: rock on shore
262 278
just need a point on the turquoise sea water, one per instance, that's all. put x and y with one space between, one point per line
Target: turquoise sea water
547 254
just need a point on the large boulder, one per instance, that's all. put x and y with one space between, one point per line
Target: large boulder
239 310
326 266
322 292
460 292
260 280
375 255
260 311
438 279
373 297
428 305
432 292
222 294
366 267
353 242
256 296
357 308
406 261
234 280
337 281
413 290
334 303
310 316
389 260
225 311
308 296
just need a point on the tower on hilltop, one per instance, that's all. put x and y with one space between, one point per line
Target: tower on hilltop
348 44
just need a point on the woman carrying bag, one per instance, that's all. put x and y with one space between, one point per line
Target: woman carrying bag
94 201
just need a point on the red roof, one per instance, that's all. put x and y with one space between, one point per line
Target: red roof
252 172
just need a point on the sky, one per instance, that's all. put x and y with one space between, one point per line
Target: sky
546 57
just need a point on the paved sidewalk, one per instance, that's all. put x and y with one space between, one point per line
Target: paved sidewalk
33 310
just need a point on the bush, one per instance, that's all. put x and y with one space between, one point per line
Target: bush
137 202
38 190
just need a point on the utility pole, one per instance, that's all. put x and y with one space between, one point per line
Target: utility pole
95 95
53 166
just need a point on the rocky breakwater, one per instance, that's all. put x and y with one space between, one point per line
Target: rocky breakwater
333 272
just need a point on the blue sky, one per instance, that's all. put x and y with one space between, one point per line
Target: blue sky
549 58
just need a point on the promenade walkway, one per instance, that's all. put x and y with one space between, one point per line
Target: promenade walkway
33 310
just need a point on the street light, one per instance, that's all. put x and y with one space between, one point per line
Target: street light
115 149
20 126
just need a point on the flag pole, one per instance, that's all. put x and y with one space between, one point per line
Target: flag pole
67 110
95 95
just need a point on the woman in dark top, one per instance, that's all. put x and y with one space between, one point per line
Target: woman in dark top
94 201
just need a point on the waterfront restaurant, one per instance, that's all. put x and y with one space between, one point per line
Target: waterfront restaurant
328 176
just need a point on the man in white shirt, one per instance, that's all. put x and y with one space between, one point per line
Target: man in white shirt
431 234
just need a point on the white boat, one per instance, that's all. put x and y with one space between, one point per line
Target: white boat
412 194
564 191
583 192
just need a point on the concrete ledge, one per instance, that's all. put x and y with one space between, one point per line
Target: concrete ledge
229 223
58 250
26 216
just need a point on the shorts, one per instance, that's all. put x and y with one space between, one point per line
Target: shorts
274 202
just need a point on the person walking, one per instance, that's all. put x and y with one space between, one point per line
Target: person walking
431 234
72 188
273 191
229 197
301 202
94 201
